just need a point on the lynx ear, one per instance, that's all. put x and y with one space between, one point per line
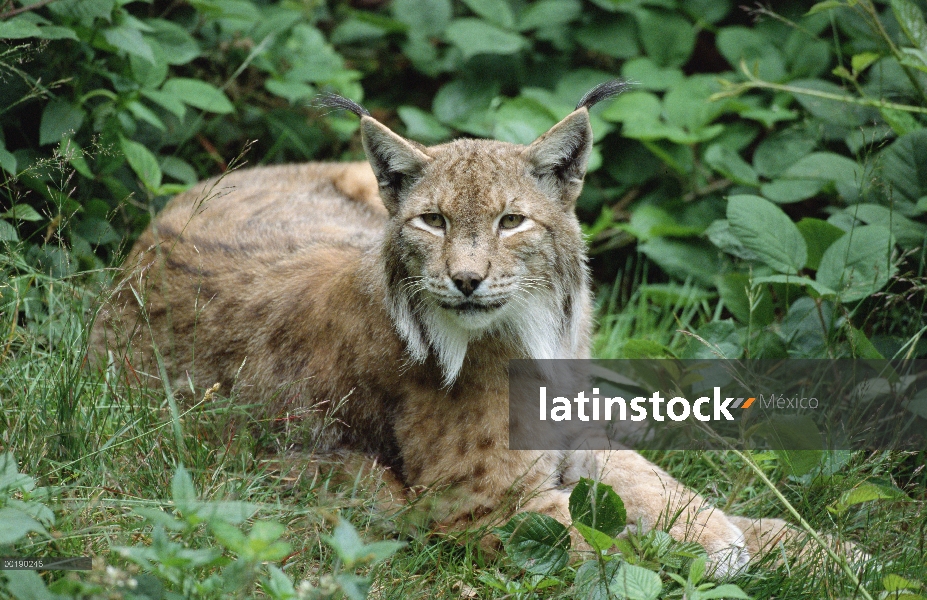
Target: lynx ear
558 158
396 162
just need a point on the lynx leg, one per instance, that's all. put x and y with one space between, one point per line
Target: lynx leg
654 499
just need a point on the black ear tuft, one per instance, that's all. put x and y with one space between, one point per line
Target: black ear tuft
603 91
329 100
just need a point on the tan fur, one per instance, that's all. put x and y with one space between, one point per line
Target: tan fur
302 290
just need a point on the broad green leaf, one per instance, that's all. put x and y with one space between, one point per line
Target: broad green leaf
547 13
596 505
22 212
142 162
178 45
498 12
8 232
727 162
867 492
60 117
650 76
635 583
18 28
727 590
862 347
15 525
687 104
840 113
84 11
819 235
903 166
717 339
766 230
633 106
461 103
182 491
424 17
824 6
423 126
166 101
760 54
199 94
858 264
536 543
719 233
911 19
143 113
784 191
684 259
293 91
846 175
522 120
737 293
7 160
817 286
781 150
860 62
896 583
615 37
129 40
908 233
592 579
475 36
668 37
596 539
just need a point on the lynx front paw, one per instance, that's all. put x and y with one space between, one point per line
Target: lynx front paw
725 543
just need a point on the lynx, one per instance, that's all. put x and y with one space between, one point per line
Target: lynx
403 286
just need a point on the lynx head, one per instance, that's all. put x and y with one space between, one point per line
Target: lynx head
482 239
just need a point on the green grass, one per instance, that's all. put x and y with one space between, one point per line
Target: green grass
106 447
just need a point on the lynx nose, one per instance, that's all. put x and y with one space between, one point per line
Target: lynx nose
467 282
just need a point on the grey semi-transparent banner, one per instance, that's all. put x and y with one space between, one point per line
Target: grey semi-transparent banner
670 404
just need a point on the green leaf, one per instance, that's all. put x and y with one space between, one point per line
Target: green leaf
896 583
688 103
475 36
836 112
615 37
182 491
522 120
859 263
84 11
633 106
824 6
424 17
549 13
596 505
903 167
635 583
867 492
668 37
423 126
860 62
736 292
166 101
22 212
817 286
199 94
8 232
908 233
15 525
781 150
464 104
862 347
760 54
911 19
766 230
784 191
60 117
143 163
129 40
498 12
17 29
819 235
684 258
177 44
650 76
7 160
729 163
536 543
727 590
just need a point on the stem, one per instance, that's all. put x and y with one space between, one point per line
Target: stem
16 11
755 82
842 563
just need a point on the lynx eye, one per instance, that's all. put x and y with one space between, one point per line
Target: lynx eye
435 220
511 221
